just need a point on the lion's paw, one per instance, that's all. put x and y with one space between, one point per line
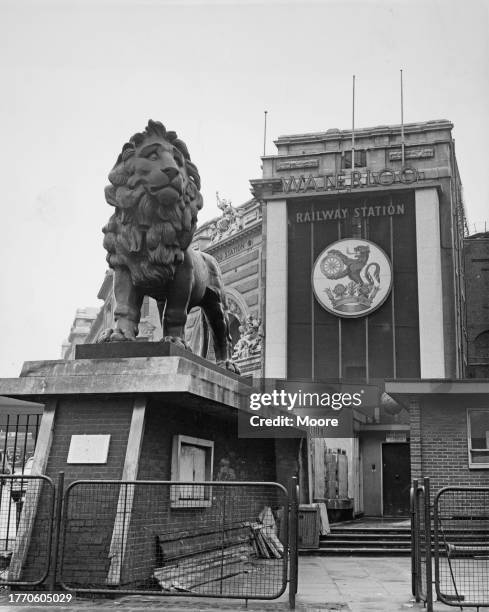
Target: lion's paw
112 335
231 366
177 341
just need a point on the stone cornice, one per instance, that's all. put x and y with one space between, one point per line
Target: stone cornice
381 130
238 235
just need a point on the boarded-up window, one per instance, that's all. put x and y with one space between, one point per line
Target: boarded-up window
192 461
192 467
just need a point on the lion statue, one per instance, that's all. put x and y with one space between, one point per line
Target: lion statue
155 192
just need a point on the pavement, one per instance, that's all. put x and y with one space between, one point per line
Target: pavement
334 584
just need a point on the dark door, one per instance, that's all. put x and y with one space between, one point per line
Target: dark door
396 479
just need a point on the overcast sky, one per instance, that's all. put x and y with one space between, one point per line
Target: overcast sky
79 78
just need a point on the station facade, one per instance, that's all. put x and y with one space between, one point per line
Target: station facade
364 280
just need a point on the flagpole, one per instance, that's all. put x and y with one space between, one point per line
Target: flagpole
353 129
265 135
402 124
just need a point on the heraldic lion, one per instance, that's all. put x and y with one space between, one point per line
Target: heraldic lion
155 192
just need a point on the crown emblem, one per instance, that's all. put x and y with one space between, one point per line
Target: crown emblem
365 280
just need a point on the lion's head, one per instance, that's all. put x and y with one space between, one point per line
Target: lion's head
155 191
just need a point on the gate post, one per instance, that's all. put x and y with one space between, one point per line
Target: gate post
293 535
427 526
56 530
414 541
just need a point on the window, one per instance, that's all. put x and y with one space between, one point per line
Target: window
478 432
360 159
192 461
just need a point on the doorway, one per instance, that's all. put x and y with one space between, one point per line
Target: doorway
396 478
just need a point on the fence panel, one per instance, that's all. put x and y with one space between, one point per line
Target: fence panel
26 521
215 539
461 526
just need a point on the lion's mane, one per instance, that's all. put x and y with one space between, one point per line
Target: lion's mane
146 235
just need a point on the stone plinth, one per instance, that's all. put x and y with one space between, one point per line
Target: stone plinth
138 406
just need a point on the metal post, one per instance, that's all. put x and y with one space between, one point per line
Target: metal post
353 130
56 530
402 124
414 540
293 534
427 526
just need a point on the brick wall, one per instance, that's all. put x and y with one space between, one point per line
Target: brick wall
251 459
415 440
92 509
74 417
442 440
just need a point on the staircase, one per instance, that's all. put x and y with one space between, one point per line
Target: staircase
350 539
370 537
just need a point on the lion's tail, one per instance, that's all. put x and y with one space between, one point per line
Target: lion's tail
375 279
205 336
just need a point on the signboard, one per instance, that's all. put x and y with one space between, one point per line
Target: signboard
351 180
88 449
352 277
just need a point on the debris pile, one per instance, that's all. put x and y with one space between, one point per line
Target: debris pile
190 560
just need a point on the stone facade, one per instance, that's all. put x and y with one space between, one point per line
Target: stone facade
313 195
85 319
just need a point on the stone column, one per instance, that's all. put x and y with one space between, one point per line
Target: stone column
276 290
430 291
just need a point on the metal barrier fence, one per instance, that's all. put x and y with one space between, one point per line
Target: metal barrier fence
421 565
212 539
26 509
461 528
18 437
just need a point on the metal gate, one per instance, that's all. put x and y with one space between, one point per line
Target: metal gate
460 525
26 527
421 564
211 539
461 529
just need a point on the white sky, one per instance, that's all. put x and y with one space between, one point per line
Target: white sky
79 77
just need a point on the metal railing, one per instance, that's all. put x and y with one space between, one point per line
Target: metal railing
26 525
459 520
461 530
211 539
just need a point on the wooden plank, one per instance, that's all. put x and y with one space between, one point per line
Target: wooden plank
323 513
126 493
342 476
319 468
33 493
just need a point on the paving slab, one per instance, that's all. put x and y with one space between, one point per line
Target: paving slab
332 584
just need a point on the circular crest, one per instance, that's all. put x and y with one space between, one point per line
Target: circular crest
352 277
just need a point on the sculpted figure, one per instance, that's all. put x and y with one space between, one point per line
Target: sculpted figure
337 265
155 192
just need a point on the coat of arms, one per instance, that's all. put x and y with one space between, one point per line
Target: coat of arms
352 277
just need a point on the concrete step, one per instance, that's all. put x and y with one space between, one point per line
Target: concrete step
366 537
337 543
358 551
352 540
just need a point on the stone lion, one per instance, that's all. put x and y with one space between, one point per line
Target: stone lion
155 192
